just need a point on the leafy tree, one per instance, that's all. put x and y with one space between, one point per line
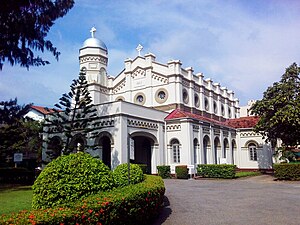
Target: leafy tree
18 133
74 114
11 112
279 110
24 26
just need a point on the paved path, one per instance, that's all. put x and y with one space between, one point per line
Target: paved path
248 201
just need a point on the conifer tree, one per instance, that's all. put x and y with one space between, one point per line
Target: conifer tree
73 114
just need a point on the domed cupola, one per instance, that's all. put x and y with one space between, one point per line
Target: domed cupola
93 58
94 42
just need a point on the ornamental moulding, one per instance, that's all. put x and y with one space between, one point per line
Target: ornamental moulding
142 124
174 127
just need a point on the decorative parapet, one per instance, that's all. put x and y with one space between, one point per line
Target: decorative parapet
196 128
104 123
225 133
249 134
174 127
139 72
217 132
119 86
206 130
93 59
142 124
160 78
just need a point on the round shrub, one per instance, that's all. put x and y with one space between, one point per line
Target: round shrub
68 178
121 174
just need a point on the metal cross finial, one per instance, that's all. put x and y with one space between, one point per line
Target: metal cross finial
139 48
93 31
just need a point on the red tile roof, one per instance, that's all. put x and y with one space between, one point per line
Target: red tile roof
41 109
243 122
178 114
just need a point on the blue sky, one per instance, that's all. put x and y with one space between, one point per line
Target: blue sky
243 45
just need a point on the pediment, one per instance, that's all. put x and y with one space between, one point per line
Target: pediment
138 73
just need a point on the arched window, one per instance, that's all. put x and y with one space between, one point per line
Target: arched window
206 104
252 152
185 96
222 110
196 146
176 151
215 108
55 147
197 102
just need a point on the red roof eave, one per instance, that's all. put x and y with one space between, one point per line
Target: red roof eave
242 122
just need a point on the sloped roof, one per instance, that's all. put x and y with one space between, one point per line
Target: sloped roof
41 109
243 122
179 114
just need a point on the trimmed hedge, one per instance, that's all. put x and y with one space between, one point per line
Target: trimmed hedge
182 172
216 171
287 171
133 204
69 178
143 168
120 174
164 171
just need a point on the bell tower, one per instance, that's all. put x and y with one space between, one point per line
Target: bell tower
93 59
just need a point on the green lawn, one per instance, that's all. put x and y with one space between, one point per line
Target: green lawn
247 174
14 199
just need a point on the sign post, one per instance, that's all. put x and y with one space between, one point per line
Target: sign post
191 170
18 157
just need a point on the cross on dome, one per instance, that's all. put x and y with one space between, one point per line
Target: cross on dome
139 48
93 31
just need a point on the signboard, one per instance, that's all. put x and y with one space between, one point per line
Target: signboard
18 157
131 148
191 169
223 161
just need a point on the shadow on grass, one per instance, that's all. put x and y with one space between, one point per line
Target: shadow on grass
14 187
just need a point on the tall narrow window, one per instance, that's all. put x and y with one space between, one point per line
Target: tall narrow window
252 152
176 151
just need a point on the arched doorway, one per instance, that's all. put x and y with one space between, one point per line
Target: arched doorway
55 147
143 144
225 147
104 143
217 150
196 146
105 149
233 148
206 146
78 143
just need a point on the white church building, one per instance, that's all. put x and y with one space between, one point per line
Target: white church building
163 114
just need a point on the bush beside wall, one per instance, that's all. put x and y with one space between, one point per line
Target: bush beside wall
216 171
164 171
182 172
120 174
133 204
143 168
287 171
